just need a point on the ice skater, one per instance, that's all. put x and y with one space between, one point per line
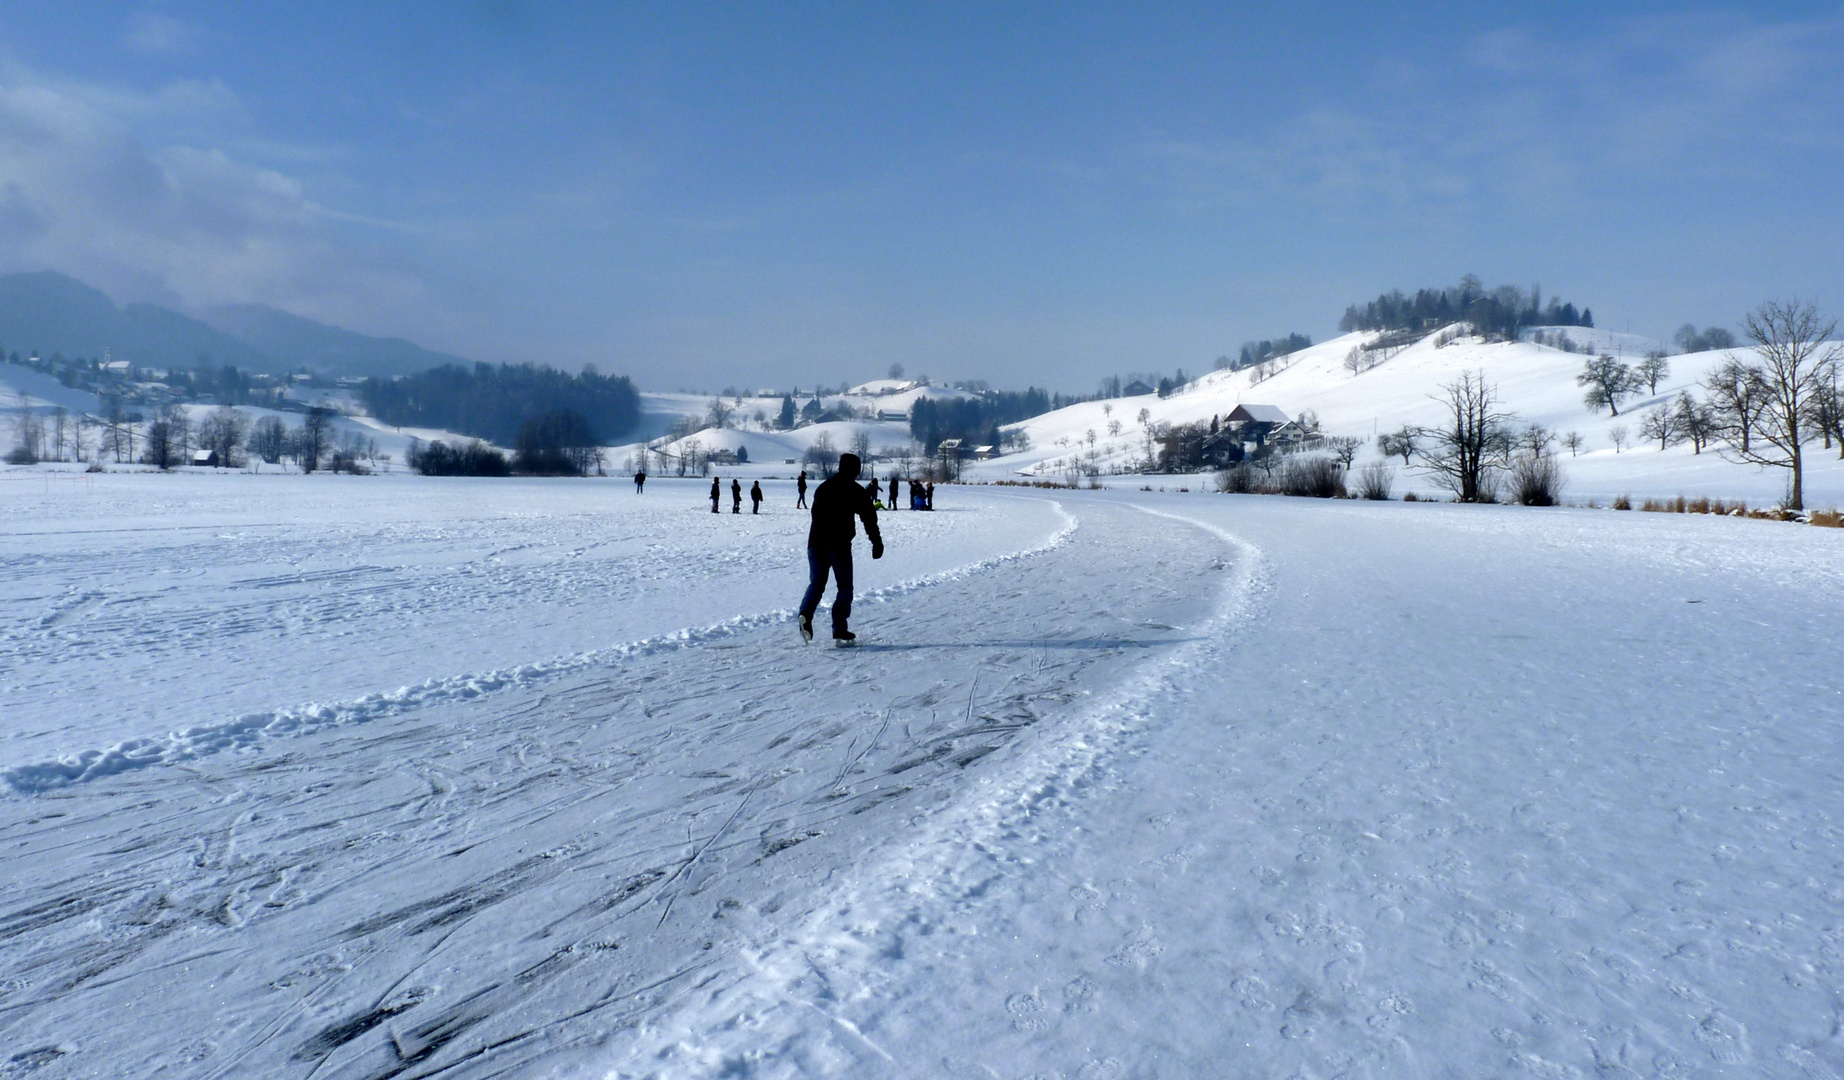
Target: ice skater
829 546
640 481
736 496
894 489
755 497
717 494
801 486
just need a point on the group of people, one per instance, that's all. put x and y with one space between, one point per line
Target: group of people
736 495
921 494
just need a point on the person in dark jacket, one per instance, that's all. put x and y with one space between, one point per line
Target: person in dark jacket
717 493
736 496
755 497
829 545
640 481
801 486
894 489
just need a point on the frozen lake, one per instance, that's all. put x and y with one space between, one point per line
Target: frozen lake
393 776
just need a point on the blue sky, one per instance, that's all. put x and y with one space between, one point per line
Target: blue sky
702 195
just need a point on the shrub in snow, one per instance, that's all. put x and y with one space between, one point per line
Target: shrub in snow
1314 477
1535 479
1374 479
1236 480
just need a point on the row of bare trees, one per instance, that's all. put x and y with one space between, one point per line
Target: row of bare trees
226 435
1766 406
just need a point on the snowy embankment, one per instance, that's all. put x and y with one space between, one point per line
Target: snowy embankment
1535 383
1133 785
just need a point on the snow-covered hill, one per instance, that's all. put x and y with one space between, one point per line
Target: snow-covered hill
1535 382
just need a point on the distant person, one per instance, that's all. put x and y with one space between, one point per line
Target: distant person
915 494
755 497
894 489
801 486
829 546
640 481
928 496
717 494
736 496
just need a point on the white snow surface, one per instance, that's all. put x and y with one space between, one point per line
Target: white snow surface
533 778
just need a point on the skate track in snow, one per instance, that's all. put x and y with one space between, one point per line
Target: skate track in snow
465 884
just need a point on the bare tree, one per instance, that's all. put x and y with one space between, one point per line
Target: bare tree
861 444
269 439
1344 449
1537 439
1574 442
1607 380
719 412
1694 420
1650 370
1399 443
1660 423
1797 362
315 437
1617 436
1473 440
1737 394
222 434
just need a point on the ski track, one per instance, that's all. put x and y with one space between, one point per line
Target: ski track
473 884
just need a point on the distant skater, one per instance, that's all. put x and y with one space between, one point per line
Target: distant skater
915 494
640 481
894 489
755 497
829 546
801 486
928 496
717 494
736 496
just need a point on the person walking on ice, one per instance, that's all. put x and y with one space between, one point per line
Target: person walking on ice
736 496
717 493
755 497
640 481
801 486
829 546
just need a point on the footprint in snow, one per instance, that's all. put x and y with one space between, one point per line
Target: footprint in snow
1028 1012
1724 1038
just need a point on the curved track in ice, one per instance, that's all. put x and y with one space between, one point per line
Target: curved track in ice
507 881
28 778
780 1012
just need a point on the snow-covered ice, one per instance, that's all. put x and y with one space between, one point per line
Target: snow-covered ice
1120 784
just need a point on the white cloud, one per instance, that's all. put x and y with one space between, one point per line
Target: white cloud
86 190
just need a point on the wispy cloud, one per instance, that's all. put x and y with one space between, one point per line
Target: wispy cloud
151 32
194 222
1516 115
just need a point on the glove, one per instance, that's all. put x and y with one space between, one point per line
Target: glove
877 549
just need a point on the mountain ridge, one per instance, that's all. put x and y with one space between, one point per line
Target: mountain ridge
47 312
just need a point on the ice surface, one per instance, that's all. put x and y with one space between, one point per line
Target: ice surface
1119 784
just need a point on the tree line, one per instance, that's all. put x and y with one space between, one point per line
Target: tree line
1498 314
494 403
974 419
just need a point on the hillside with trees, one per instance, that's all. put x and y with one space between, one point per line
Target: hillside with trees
494 403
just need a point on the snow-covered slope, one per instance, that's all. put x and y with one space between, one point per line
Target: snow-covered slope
1535 382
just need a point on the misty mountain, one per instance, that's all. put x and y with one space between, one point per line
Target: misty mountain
306 343
49 312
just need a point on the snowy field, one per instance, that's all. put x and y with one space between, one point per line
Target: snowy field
399 777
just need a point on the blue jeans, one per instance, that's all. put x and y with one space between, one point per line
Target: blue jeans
838 560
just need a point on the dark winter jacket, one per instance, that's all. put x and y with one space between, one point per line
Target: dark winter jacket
835 503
